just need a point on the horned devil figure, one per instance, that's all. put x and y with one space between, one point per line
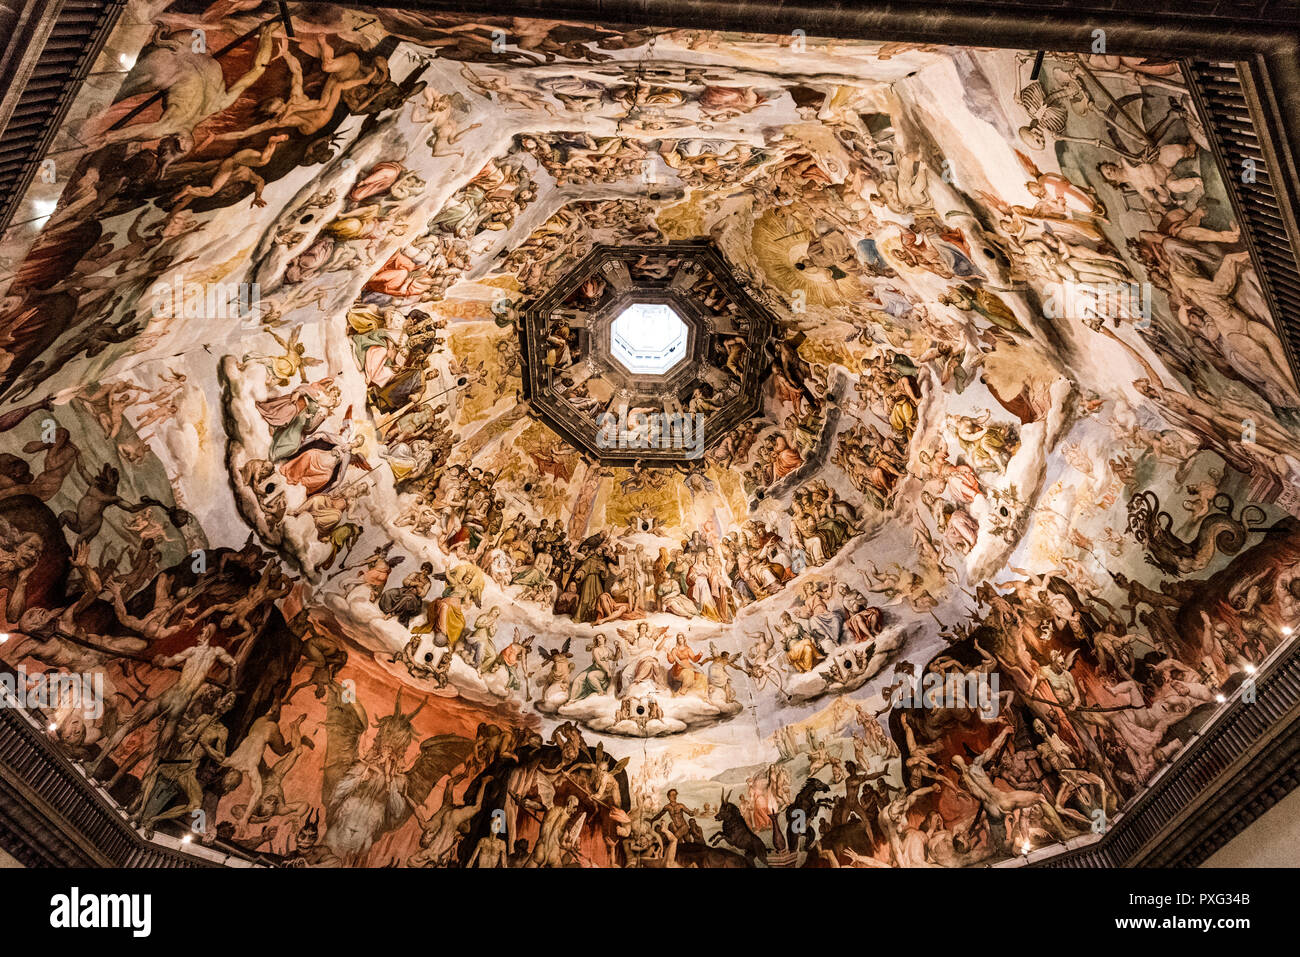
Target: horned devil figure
806 804
737 833
366 796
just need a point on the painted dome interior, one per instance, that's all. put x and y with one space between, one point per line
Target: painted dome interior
460 438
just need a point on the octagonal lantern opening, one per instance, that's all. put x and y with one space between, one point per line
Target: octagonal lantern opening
648 338
661 328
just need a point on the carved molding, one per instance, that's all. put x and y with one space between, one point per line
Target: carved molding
51 816
43 65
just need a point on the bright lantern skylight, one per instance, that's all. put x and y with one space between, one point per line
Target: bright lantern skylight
648 338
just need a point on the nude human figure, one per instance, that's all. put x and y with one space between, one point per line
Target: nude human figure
299 111
441 829
236 168
196 662
489 852
552 846
193 84
998 804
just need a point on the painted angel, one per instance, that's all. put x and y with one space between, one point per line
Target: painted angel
641 646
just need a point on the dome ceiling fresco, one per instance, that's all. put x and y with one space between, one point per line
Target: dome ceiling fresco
969 498
646 354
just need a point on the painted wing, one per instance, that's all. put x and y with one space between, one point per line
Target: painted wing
1028 165
592 541
438 756
344 726
574 829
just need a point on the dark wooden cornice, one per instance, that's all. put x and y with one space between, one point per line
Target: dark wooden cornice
47 50
51 816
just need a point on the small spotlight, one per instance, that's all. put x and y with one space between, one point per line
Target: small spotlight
1286 630
1220 698
1250 669
53 727
187 839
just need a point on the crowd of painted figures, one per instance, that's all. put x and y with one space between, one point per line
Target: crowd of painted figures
356 606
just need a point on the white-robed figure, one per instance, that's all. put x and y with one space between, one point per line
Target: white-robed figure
701 594
477 646
641 646
595 679
824 625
